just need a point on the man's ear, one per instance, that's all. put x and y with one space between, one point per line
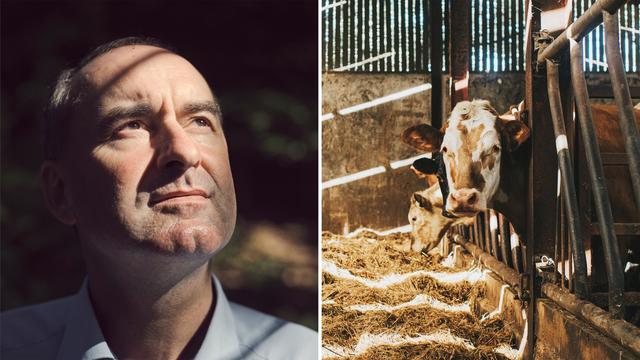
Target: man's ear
55 193
515 132
423 137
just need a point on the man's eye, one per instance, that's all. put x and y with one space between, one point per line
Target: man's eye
134 125
202 122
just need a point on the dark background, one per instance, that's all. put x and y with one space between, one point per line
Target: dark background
260 58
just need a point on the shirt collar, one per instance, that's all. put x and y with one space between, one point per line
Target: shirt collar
84 340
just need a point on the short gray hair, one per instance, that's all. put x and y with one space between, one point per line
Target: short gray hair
67 94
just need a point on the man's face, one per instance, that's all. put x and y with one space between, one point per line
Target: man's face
147 159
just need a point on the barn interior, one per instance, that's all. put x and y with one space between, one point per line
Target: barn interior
389 65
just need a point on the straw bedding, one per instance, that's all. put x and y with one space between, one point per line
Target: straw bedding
372 256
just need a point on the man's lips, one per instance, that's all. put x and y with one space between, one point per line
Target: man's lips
195 194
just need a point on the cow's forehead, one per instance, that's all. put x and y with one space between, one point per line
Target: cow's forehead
471 117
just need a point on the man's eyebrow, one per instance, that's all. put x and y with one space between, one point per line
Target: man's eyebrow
124 112
211 107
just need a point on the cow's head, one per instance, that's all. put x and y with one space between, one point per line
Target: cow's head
425 216
428 225
472 142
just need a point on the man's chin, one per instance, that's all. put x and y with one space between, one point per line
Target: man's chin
189 239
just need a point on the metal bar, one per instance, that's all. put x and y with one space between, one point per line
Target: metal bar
487 237
570 263
598 184
426 24
476 228
623 99
568 184
524 255
436 63
556 249
506 274
493 233
516 251
505 242
591 18
560 217
625 333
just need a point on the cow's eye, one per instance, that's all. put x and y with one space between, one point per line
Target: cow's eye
444 149
496 148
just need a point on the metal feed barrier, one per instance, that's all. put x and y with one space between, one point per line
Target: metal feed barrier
562 277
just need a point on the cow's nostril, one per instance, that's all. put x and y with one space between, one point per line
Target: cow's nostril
473 198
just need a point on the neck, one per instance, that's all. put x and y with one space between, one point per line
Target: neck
151 311
511 197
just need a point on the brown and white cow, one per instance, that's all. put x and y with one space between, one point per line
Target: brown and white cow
428 225
478 181
478 145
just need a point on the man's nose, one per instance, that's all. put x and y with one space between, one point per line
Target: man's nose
176 148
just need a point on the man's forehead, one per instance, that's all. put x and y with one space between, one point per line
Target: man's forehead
140 62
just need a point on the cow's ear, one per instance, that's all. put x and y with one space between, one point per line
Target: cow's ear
423 137
515 132
423 202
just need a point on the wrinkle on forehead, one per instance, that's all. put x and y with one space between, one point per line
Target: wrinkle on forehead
113 72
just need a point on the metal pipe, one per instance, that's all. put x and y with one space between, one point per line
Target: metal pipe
568 184
591 18
505 273
516 251
505 243
623 99
493 233
435 23
622 331
598 184
487 235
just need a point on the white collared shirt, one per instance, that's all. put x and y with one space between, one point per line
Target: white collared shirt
67 329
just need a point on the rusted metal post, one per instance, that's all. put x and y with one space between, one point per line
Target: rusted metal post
459 41
435 29
493 232
568 184
598 184
505 241
623 100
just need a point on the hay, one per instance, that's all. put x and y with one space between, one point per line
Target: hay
347 292
428 351
373 256
366 321
344 327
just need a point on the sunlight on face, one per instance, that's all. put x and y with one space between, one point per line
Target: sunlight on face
148 157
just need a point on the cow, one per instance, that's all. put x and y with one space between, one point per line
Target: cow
428 224
479 147
486 167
